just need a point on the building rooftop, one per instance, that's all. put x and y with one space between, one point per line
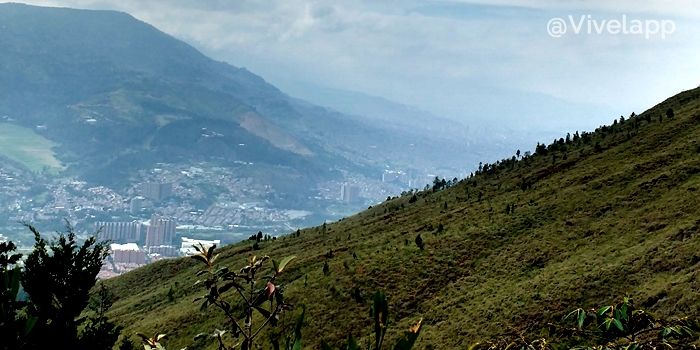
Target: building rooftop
128 246
189 243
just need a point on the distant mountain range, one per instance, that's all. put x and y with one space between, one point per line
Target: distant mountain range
376 109
117 95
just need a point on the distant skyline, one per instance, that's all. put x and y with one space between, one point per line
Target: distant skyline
471 60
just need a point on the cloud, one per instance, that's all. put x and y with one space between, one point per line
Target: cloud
441 55
676 8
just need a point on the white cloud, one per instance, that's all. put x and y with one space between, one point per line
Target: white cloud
437 54
677 8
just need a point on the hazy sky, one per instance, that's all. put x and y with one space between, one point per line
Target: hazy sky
439 55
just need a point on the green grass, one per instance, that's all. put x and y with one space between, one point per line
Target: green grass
23 145
623 217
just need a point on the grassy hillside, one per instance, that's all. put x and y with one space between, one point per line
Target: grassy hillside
23 145
616 211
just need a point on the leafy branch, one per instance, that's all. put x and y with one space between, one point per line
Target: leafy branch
380 313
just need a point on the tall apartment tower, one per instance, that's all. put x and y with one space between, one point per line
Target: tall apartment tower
122 232
127 253
136 204
161 231
349 193
157 191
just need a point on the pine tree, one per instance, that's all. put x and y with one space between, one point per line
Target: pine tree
419 242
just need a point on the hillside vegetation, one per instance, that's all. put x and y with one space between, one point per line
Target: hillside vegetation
23 145
578 224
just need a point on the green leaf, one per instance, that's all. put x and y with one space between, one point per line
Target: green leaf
228 286
299 323
284 263
409 339
603 310
605 323
581 318
565 317
352 342
200 258
297 344
619 325
381 315
29 324
16 275
664 333
260 299
325 346
264 312
210 252
6 279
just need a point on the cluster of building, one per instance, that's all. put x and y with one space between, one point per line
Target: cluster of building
406 179
356 188
126 254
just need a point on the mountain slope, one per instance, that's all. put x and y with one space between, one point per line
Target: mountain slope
616 211
117 95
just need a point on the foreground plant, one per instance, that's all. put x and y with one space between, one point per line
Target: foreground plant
293 342
621 326
267 301
380 313
58 277
152 343
15 327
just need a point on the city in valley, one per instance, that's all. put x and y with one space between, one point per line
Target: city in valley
166 210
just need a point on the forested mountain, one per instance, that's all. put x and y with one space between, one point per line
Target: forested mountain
117 95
